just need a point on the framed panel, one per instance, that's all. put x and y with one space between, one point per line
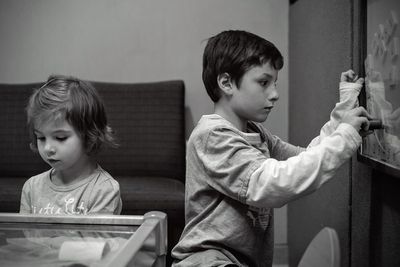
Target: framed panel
380 57
97 240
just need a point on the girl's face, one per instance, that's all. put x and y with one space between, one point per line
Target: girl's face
61 146
255 96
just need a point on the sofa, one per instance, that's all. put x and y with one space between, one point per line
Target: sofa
149 164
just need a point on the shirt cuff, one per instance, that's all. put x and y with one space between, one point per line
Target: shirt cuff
347 85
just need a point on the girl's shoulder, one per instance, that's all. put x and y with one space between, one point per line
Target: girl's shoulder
105 178
37 182
40 177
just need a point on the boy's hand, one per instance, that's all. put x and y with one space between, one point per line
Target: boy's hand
358 118
350 77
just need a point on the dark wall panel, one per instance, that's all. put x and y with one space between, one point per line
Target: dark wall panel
320 44
361 203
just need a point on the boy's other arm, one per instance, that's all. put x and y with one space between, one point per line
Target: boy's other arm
274 183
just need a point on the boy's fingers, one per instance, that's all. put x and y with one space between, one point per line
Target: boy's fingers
348 71
366 114
361 111
357 111
365 133
347 75
362 124
360 81
365 124
363 117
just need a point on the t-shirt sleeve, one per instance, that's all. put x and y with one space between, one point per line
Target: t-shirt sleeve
227 160
25 204
280 149
106 198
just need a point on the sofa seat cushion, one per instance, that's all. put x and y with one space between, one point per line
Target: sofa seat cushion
10 193
138 194
151 193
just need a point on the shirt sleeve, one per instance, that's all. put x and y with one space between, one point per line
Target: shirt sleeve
274 183
25 204
106 198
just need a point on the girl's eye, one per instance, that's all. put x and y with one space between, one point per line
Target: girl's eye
62 138
40 138
264 83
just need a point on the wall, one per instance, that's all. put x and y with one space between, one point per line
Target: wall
136 41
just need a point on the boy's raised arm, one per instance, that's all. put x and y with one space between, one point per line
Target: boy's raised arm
349 89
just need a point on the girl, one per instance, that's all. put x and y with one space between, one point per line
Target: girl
68 126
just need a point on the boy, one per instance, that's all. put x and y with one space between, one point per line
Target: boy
237 171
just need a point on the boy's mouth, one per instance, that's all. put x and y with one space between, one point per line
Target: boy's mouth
52 161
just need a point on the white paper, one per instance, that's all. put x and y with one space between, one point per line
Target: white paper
82 251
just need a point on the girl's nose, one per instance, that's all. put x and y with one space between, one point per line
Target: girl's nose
49 149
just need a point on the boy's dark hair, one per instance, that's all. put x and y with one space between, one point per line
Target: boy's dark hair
235 52
76 101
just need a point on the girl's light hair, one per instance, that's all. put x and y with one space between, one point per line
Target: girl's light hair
76 101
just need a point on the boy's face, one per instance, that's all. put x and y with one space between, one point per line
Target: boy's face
60 145
255 96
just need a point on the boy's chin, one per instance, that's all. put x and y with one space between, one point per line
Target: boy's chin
260 118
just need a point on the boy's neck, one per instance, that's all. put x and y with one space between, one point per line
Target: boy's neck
230 116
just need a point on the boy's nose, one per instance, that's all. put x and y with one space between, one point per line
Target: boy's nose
274 96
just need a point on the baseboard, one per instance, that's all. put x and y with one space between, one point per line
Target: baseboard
281 254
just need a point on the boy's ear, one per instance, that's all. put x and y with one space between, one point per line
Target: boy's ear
225 83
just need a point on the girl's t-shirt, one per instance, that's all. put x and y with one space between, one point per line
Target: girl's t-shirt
98 193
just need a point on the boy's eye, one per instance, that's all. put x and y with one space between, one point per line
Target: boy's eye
264 83
40 138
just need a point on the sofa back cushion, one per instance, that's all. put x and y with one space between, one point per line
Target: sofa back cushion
148 119
16 158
